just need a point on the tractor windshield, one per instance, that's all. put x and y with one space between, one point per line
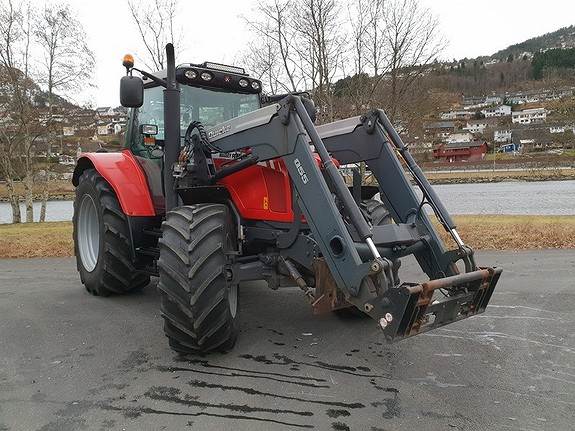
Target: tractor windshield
197 104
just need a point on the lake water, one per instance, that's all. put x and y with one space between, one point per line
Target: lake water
527 198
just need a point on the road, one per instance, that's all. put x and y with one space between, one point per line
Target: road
69 361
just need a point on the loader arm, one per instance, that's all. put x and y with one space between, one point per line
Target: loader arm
363 268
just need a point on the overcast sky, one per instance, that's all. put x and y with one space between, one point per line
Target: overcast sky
215 30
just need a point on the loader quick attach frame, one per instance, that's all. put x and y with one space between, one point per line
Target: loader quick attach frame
349 257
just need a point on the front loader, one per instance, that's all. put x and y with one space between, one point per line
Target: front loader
219 190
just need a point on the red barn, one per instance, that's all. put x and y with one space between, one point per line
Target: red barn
460 151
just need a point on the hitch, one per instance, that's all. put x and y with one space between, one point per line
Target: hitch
411 309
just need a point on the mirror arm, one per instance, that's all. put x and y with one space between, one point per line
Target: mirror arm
157 80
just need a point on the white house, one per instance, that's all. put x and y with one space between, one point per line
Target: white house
502 136
456 115
528 116
559 129
459 137
68 130
102 129
479 126
497 111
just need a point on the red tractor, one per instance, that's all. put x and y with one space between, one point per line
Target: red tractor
218 184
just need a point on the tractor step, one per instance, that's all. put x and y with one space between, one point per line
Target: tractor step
412 309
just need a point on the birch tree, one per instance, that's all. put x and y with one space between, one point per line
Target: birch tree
156 24
66 66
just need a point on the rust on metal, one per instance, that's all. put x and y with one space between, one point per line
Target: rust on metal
480 280
329 297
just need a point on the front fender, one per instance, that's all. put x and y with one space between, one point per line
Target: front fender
124 175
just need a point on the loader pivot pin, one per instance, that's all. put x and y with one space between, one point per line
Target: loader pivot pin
372 248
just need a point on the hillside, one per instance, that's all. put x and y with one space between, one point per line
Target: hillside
562 38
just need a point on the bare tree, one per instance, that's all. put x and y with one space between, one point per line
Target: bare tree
273 28
21 128
67 62
412 41
261 60
9 84
155 20
320 46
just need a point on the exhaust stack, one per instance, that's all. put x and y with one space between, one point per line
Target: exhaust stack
171 128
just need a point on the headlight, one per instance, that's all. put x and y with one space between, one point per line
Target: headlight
243 83
256 85
191 74
206 76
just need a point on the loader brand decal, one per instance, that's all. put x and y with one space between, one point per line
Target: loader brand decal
219 131
301 171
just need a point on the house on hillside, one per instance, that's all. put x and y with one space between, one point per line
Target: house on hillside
474 102
532 138
497 111
529 116
105 111
456 115
479 126
438 130
460 151
561 128
511 147
504 135
535 96
459 137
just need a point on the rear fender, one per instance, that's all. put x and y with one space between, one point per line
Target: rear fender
124 175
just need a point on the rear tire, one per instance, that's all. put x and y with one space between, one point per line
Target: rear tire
199 305
102 239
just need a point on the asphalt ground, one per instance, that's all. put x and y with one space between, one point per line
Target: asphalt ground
70 361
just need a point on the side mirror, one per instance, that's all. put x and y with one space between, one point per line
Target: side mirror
131 92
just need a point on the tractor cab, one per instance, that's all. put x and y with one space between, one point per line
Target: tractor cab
210 93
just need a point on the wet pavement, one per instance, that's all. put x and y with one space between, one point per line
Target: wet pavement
69 361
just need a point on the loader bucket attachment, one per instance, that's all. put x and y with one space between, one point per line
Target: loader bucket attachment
416 311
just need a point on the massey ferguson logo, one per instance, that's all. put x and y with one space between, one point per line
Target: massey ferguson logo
301 171
219 131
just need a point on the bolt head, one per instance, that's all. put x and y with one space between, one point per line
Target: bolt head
388 317
374 267
383 323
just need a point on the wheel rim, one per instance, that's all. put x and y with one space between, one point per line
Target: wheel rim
88 233
233 299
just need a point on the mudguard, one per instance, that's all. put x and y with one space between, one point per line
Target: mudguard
126 177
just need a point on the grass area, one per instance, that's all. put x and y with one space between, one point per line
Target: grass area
36 239
501 232
481 232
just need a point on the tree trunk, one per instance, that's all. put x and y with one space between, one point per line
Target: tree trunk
29 198
43 207
14 200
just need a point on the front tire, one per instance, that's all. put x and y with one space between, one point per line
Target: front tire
101 239
199 305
